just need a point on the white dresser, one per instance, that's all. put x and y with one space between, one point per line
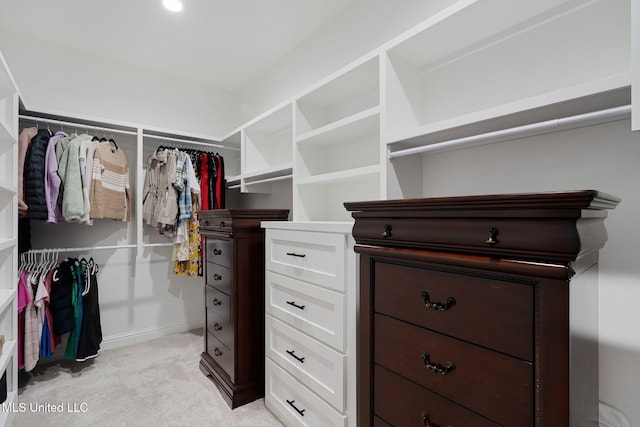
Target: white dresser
310 364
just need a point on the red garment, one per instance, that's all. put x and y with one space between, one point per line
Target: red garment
204 182
219 182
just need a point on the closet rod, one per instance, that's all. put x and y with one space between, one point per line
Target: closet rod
87 249
594 117
186 141
76 125
266 180
156 245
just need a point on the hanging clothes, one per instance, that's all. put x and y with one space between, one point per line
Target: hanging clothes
24 141
23 301
204 181
110 196
90 336
220 182
69 169
52 180
34 174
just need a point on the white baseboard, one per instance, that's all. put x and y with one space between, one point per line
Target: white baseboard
142 335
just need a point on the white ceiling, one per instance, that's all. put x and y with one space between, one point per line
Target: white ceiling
225 44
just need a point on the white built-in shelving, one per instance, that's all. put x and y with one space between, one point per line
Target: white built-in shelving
9 104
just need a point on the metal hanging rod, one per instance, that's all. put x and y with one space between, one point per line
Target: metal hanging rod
156 245
266 180
86 249
76 125
594 117
186 141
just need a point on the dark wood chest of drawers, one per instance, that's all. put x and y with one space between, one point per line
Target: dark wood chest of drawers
479 311
234 300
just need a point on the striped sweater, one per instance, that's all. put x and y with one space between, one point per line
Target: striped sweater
109 194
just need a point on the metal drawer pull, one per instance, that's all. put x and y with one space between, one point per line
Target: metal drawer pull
216 276
426 419
217 327
291 402
293 303
216 301
492 239
438 369
217 251
437 305
217 352
295 254
292 353
387 231
222 224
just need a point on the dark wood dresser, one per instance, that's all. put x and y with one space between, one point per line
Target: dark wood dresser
234 300
479 311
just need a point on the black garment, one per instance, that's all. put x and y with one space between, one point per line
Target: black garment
91 330
24 235
60 299
34 195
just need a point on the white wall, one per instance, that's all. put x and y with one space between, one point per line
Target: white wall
55 79
605 158
359 29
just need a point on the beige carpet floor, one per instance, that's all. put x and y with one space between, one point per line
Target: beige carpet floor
156 383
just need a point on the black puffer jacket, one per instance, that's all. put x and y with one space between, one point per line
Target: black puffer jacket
34 195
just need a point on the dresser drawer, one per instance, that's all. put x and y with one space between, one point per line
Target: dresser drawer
218 303
492 313
317 366
492 384
221 354
219 251
314 257
221 328
294 404
212 220
219 277
314 310
403 403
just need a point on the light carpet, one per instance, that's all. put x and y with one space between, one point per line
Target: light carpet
155 383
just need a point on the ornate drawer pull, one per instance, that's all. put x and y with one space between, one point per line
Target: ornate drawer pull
295 254
222 224
492 239
291 403
437 305
292 353
293 303
217 327
216 301
217 352
387 231
217 251
438 369
216 276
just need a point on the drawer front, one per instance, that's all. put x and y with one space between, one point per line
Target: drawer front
314 310
294 404
219 277
219 251
317 366
403 403
221 328
221 354
214 222
492 384
489 312
314 257
218 303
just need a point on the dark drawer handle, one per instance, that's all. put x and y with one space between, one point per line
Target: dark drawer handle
493 237
295 254
216 276
387 231
217 251
222 224
438 369
217 352
300 411
217 327
292 353
437 305
216 301
293 303
206 223
426 419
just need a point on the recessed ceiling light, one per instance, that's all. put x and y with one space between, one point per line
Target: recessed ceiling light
172 5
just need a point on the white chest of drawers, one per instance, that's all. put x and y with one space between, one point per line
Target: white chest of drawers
310 307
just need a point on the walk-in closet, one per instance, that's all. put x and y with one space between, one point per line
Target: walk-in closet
273 213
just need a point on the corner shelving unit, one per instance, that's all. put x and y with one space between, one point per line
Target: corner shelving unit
432 95
9 105
337 144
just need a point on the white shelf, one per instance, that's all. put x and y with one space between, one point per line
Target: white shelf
8 351
279 170
7 243
350 127
267 142
7 187
5 416
456 72
7 296
7 134
340 177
